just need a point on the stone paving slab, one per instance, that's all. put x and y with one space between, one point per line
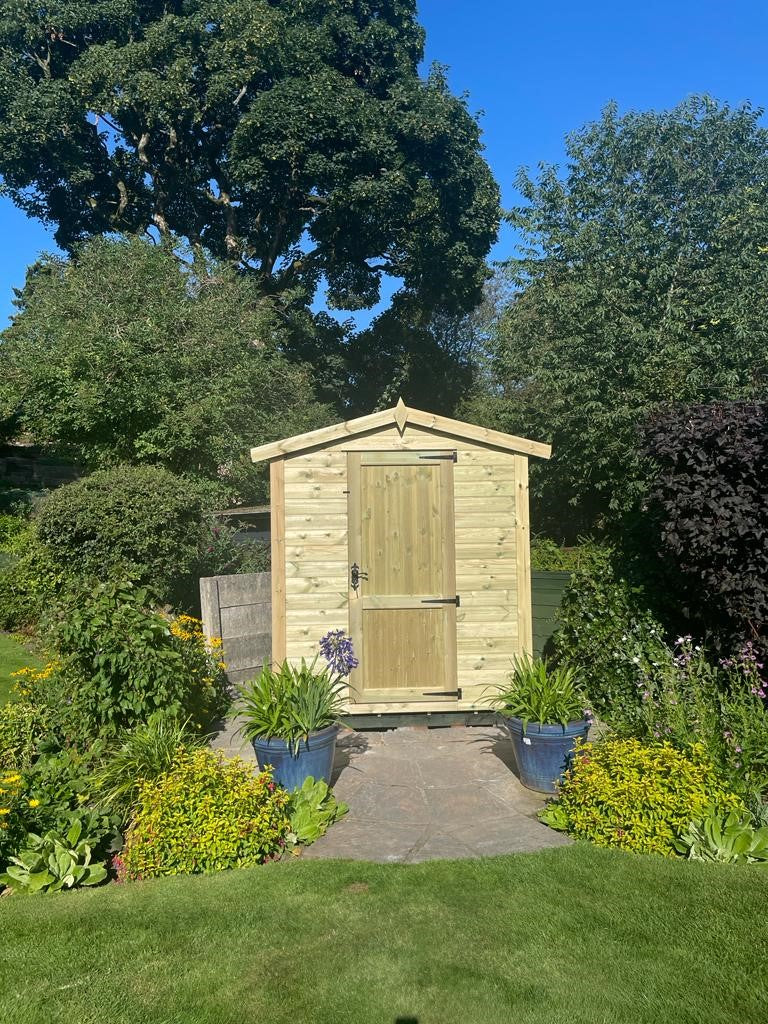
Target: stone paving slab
419 794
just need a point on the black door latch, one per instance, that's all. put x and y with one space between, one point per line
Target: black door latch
355 575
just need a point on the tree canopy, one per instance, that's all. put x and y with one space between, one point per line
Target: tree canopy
128 355
293 139
643 282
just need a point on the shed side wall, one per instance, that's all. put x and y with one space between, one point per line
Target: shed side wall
491 559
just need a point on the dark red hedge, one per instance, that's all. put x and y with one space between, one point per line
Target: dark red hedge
710 501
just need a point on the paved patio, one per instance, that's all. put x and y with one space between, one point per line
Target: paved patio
420 794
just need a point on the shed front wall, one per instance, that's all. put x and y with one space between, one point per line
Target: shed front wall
492 554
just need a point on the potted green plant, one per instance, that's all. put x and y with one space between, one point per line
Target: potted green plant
291 714
545 711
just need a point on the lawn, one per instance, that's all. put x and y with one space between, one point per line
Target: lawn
13 656
571 935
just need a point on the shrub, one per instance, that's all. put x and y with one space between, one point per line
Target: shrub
147 752
120 662
14 802
685 698
29 581
23 724
206 813
709 499
608 636
637 797
142 521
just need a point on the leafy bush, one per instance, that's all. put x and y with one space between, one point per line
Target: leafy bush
120 661
29 580
538 693
206 813
709 497
147 752
637 797
14 802
685 698
142 521
608 636
547 555
22 725
55 861
724 836
313 809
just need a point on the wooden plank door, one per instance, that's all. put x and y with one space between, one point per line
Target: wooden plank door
402 615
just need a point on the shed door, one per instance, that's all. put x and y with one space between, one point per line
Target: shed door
403 611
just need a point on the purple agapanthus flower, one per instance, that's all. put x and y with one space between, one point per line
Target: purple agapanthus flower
336 648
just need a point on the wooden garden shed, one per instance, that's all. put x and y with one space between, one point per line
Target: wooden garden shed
410 531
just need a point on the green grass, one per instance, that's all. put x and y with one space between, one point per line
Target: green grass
569 936
13 656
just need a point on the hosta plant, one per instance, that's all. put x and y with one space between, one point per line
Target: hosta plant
313 809
54 861
725 836
537 692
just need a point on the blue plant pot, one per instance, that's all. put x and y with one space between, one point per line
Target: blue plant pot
543 752
315 757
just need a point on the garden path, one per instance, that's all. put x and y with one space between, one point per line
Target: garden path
419 794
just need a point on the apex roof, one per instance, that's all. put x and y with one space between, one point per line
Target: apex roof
401 415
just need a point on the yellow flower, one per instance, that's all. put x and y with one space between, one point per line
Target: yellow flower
11 778
34 803
5 810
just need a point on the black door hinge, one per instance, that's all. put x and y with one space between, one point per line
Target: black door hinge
448 457
443 693
442 600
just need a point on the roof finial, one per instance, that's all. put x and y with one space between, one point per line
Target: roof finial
401 415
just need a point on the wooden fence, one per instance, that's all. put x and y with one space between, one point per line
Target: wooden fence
238 608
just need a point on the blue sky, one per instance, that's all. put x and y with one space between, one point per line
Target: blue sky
539 70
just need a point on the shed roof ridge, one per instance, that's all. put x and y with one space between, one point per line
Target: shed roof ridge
401 415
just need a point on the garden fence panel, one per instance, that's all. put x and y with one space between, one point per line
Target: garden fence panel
238 608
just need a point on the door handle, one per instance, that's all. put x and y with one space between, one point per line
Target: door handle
355 575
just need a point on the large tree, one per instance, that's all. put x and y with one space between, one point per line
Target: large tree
643 282
128 355
293 138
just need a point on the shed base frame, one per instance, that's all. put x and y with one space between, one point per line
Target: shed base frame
425 719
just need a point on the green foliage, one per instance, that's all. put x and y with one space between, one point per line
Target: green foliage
126 354
724 836
637 797
138 520
22 725
549 556
685 698
608 636
144 754
538 692
313 809
55 861
11 529
120 662
29 581
296 140
205 813
290 703
643 282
